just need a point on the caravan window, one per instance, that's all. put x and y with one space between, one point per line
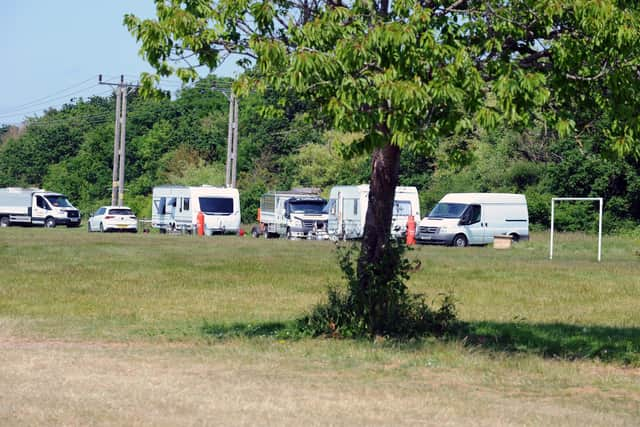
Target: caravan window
160 204
185 204
330 207
448 210
401 208
216 205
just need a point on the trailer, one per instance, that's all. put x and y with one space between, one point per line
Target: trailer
296 214
176 208
33 206
348 206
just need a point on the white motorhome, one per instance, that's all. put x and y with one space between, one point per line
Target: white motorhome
27 206
462 219
176 208
348 205
294 214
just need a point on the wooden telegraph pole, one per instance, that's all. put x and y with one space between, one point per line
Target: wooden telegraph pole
119 139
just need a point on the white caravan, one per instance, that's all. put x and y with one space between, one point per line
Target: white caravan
176 207
462 219
348 205
27 206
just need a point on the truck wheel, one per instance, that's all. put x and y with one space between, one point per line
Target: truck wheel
460 241
49 223
4 221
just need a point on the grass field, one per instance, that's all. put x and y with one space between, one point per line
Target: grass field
172 330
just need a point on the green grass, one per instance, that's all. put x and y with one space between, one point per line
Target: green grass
68 283
165 330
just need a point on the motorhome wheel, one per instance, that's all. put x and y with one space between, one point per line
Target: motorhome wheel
4 221
460 241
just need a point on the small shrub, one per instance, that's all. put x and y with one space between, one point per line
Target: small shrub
383 308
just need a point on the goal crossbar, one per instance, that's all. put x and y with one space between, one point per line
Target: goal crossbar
592 199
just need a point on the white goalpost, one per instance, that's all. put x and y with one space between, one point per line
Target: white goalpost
594 199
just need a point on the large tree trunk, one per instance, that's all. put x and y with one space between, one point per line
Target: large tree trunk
372 264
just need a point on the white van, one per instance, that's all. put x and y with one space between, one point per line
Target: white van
176 207
462 219
347 209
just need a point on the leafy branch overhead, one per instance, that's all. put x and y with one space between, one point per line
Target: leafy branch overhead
410 72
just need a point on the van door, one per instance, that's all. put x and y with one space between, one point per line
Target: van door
39 210
473 220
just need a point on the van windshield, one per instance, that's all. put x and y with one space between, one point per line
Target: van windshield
307 206
59 201
448 210
216 205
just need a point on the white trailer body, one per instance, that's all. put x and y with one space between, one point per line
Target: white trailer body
32 206
176 208
293 214
348 206
462 219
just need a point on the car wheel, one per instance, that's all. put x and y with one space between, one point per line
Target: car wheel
460 241
49 223
101 228
89 227
4 221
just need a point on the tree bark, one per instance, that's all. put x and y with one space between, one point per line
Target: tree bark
377 230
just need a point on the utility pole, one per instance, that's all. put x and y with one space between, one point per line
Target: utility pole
119 139
232 143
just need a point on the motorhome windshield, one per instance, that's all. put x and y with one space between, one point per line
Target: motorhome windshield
402 208
448 210
59 201
216 205
307 206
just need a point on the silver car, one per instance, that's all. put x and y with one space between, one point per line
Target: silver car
113 218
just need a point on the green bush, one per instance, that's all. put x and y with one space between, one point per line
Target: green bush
383 308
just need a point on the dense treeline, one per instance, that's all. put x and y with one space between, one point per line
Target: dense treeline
183 140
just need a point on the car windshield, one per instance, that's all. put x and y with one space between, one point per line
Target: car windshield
448 210
401 208
307 206
216 205
120 211
59 201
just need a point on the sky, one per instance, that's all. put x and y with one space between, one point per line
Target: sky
53 51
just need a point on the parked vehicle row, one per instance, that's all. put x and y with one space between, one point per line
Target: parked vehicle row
459 219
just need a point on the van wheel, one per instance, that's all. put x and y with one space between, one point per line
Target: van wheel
460 241
4 221
514 237
49 223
